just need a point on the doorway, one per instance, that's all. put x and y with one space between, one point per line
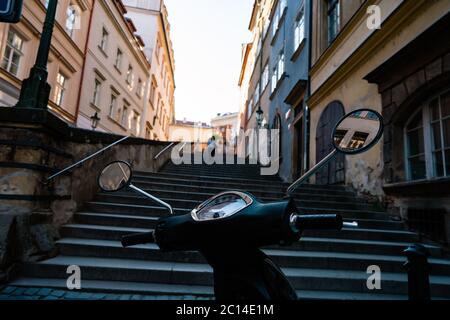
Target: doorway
334 172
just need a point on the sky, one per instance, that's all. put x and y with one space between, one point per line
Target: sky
207 37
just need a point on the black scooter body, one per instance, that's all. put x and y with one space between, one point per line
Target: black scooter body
231 246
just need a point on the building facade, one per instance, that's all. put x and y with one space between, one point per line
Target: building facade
151 20
116 81
225 127
387 55
190 131
18 48
274 77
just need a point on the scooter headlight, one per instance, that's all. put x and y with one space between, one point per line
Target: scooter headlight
221 206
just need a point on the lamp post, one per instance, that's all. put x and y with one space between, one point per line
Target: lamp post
35 90
95 119
259 120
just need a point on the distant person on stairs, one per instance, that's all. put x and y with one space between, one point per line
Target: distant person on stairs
212 145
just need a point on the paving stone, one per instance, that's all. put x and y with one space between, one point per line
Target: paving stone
98 296
44 292
72 295
58 293
8 290
31 291
18 291
50 298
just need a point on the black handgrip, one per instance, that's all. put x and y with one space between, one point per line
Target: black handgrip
135 239
319 222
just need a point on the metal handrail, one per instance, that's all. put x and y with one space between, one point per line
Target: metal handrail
85 159
163 150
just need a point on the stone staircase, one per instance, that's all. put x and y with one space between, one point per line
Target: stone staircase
323 265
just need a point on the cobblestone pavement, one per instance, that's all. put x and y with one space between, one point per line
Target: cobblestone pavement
19 293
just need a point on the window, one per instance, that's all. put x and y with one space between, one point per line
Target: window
97 92
112 105
265 77
299 30
13 53
71 20
427 140
136 123
274 79
279 11
124 119
278 71
104 40
157 50
118 63
130 75
250 109
60 88
334 23
46 3
152 94
257 93
280 66
140 88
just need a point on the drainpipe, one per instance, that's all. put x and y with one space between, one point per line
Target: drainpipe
77 111
306 119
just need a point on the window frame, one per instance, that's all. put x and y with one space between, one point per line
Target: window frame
13 50
430 172
60 89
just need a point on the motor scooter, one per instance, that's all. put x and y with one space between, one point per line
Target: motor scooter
230 228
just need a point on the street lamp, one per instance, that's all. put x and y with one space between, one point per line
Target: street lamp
259 117
95 119
35 90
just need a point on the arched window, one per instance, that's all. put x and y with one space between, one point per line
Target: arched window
427 140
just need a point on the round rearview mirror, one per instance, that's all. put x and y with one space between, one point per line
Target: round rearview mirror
358 131
115 176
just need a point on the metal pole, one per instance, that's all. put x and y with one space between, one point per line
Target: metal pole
312 171
35 90
85 159
148 195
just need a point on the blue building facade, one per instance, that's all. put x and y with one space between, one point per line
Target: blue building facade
279 81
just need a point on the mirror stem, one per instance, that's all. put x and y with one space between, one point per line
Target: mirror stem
148 195
312 171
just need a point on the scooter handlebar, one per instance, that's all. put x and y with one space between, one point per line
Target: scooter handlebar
140 238
319 222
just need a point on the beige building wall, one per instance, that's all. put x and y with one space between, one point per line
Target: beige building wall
117 74
151 20
66 56
339 69
190 132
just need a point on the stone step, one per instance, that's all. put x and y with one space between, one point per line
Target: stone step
283 258
116 220
188 202
195 191
120 287
111 231
201 275
382 247
194 176
167 292
108 207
